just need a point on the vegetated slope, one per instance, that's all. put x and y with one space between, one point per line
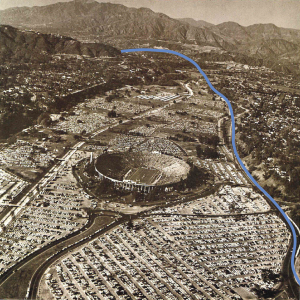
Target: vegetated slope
278 47
115 20
257 32
196 23
106 20
261 39
122 26
27 46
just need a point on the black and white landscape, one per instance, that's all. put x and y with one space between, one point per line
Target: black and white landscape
118 179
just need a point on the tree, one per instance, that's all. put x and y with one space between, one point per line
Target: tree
130 224
269 275
204 151
112 114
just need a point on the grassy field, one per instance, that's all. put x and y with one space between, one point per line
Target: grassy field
143 175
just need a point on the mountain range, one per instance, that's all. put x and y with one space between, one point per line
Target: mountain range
20 45
120 26
196 23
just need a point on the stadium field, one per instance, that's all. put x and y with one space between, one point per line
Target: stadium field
143 175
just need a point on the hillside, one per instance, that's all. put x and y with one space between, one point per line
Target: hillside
27 46
106 20
261 39
121 26
196 23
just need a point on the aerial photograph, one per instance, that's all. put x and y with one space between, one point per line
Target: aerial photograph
149 149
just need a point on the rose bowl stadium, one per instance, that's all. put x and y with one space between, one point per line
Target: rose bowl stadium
141 170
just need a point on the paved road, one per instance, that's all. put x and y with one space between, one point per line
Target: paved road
35 280
34 284
32 256
191 92
46 178
298 231
14 211
212 215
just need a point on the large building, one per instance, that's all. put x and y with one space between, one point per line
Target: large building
141 170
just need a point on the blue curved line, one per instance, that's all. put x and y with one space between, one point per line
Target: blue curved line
233 145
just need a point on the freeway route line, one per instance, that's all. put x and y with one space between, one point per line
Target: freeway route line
286 218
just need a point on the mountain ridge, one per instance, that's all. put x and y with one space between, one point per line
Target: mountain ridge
113 19
26 46
121 26
106 20
196 23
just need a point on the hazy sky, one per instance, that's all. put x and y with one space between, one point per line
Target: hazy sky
284 13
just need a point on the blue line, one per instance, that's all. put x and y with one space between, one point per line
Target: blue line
233 145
